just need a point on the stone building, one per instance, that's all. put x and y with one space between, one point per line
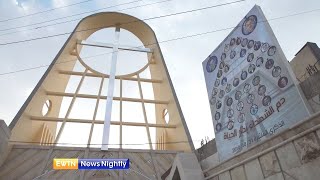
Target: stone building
306 61
306 66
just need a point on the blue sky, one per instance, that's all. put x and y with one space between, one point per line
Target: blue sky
183 57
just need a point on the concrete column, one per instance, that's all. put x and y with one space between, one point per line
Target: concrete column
5 134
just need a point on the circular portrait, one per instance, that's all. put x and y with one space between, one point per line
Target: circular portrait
256 80
283 81
221 65
276 71
269 63
214 91
219 74
238 40
266 100
243 52
224 81
246 88
237 95
249 25
213 100
228 88
254 109
229 101
240 106
217 83
223 56
212 64
251 68
226 47
217 116
232 41
250 98
259 61
218 127
232 54
236 82
219 104
241 118
221 93
271 50
226 68
257 45
262 90
244 42
230 125
244 75
250 57
230 113
264 47
250 44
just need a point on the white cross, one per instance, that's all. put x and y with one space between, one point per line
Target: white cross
116 47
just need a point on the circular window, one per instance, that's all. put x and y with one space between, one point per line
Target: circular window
101 64
46 107
166 115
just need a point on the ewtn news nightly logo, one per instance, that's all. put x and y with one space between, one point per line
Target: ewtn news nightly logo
110 164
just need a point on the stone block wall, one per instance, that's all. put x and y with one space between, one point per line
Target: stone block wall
291 155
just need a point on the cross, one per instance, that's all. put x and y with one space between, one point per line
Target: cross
115 47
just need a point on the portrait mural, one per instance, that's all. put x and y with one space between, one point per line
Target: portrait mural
251 92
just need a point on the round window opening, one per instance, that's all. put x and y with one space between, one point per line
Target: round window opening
166 115
46 107
100 62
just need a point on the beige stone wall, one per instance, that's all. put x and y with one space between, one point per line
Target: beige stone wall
293 154
5 134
